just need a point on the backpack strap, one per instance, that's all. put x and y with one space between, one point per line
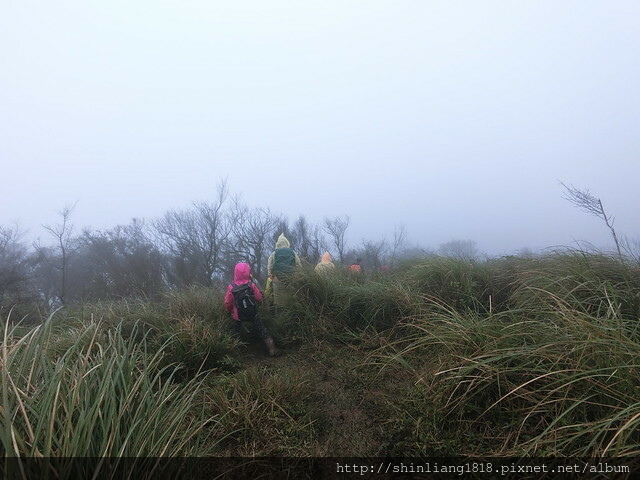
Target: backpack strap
234 285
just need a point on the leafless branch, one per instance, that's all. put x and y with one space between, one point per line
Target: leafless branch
589 203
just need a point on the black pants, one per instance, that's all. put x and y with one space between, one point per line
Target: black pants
262 330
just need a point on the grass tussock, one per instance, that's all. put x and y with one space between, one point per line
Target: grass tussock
105 396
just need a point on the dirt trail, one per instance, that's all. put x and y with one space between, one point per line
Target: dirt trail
347 409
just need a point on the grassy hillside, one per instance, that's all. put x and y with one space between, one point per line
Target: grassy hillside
536 356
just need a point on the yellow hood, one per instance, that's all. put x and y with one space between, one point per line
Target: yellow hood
282 241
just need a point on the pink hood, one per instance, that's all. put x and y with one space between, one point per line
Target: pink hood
242 273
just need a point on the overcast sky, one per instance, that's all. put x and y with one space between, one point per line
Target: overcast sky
455 119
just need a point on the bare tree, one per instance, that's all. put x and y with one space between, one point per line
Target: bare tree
336 228
65 248
584 200
121 262
399 239
252 233
372 253
302 232
196 240
318 243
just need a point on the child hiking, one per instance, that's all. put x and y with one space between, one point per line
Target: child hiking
241 301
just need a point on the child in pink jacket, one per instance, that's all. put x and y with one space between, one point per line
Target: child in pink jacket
242 276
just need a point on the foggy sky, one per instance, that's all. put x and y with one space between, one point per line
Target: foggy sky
454 119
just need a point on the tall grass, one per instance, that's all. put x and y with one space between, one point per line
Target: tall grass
511 356
190 326
265 412
105 396
554 374
339 301
598 285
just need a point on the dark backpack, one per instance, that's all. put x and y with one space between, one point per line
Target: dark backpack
245 301
283 261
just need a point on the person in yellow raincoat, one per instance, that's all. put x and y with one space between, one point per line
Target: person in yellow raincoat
281 264
325 265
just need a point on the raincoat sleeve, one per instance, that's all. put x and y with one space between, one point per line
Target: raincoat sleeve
228 300
268 289
270 263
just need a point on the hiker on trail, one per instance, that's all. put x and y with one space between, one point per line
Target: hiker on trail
325 265
356 268
241 301
282 262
